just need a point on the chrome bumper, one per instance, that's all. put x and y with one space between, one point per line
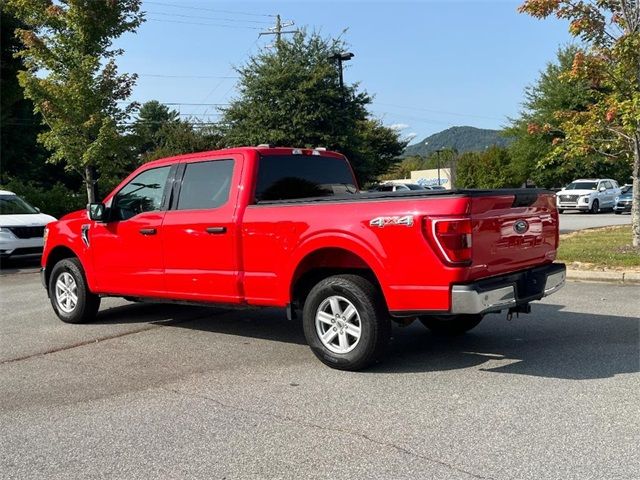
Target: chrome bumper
518 289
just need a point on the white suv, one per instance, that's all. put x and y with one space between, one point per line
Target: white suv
21 226
589 195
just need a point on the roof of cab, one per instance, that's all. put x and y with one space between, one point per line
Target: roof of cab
261 149
6 192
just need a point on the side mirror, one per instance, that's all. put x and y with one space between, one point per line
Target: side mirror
97 212
602 189
37 209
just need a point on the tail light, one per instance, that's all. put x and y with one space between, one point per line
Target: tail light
450 238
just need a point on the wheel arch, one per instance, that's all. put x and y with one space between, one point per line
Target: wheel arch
56 254
324 262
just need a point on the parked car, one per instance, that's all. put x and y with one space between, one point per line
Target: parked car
397 187
21 226
588 195
283 227
623 202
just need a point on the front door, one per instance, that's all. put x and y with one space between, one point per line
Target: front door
127 250
200 235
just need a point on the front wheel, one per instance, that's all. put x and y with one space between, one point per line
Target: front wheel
451 325
595 207
617 212
70 296
345 322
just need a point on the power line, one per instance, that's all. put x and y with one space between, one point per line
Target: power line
215 19
187 7
158 75
203 24
440 112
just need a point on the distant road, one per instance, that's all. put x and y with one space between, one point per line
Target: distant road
572 221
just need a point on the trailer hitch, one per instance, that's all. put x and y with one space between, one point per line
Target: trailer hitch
518 309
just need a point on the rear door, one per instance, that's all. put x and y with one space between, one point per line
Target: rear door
200 236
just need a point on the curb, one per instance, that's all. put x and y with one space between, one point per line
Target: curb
624 278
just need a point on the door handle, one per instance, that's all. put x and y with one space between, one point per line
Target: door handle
148 231
216 230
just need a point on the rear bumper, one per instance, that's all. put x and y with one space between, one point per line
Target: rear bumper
507 291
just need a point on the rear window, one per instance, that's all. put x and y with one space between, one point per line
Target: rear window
288 177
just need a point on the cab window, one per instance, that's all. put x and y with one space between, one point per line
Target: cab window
142 194
205 185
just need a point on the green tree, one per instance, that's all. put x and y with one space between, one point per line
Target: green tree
492 168
610 64
539 129
291 95
152 117
185 136
72 78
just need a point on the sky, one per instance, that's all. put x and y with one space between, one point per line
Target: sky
429 65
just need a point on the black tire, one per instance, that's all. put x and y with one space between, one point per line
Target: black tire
561 210
617 212
87 303
451 325
595 207
374 321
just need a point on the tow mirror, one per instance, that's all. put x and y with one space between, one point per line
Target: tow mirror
97 211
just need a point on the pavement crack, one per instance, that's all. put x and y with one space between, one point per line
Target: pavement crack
361 435
152 326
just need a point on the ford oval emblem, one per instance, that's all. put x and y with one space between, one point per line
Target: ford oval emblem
521 226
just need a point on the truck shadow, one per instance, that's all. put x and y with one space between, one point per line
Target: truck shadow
550 343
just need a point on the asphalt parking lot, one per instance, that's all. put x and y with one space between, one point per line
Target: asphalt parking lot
156 391
572 220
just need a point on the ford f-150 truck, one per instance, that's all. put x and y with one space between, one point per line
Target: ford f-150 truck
287 227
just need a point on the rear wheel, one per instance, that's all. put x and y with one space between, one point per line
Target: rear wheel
70 296
595 207
451 325
345 322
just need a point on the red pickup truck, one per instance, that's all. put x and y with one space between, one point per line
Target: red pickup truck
288 227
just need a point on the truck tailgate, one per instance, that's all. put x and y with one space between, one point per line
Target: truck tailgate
512 231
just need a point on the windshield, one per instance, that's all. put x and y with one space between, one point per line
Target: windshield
414 187
582 186
14 205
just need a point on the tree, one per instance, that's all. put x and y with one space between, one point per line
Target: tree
291 95
538 129
492 168
72 79
19 128
610 64
152 117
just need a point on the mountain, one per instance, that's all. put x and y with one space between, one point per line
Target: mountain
463 139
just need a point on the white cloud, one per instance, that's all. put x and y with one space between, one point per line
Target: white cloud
410 136
399 126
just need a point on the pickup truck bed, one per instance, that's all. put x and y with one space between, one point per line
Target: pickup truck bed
288 228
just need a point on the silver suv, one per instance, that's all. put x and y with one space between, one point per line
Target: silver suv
588 195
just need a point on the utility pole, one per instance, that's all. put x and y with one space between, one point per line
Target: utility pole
278 31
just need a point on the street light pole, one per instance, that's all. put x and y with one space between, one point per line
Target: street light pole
341 57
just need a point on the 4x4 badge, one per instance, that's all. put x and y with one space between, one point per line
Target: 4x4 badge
381 222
